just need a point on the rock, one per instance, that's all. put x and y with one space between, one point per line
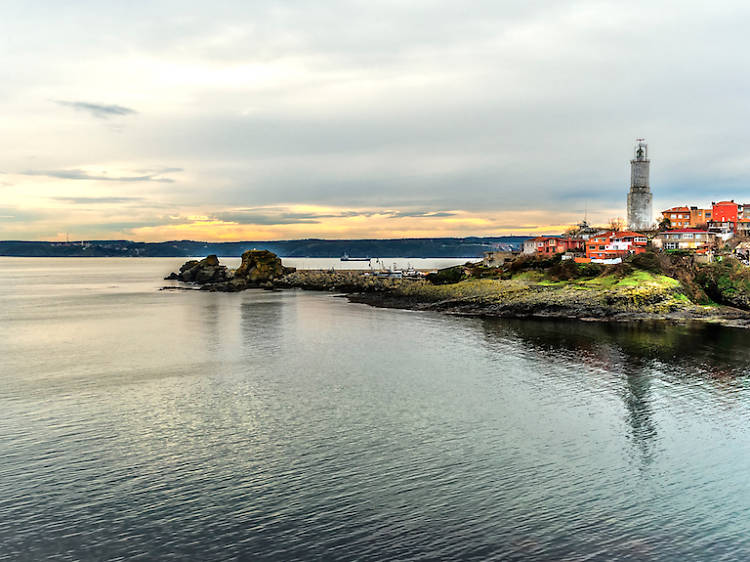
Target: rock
188 265
204 271
259 268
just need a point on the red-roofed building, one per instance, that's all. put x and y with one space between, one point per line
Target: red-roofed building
610 245
687 217
547 245
678 216
725 211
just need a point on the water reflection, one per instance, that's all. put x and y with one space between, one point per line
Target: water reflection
636 396
709 352
641 357
262 320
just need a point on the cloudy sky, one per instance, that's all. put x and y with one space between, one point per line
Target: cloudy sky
288 119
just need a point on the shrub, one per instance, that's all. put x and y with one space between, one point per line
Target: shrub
647 261
446 276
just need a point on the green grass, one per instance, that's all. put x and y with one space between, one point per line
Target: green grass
602 282
639 278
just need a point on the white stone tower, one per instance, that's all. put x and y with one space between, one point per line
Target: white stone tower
640 213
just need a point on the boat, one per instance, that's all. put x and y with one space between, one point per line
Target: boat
388 273
346 257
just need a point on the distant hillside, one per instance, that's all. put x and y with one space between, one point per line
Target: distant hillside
471 247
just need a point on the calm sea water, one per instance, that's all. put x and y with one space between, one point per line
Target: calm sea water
147 425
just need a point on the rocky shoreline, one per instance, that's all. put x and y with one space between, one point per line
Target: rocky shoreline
641 297
542 306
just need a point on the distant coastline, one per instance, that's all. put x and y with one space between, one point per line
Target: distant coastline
307 248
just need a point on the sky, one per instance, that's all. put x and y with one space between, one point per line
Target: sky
262 120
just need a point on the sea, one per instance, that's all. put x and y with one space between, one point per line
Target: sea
140 424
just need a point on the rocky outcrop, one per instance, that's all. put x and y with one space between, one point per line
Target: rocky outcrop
259 268
201 272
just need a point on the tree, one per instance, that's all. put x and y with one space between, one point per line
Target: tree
665 224
616 224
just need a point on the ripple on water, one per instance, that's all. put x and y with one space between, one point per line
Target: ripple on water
296 426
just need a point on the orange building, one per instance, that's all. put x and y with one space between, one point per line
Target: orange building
610 245
679 217
558 245
688 217
700 217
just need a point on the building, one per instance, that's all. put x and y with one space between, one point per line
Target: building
700 217
684 239
640 210
679 217
611 245
722 229
743 227
498 258
529 246
688 217
583 230
726 211
550 245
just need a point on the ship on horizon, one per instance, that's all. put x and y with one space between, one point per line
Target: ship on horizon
346 257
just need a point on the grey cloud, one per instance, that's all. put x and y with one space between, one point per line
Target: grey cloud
417 214
15 214
97 200
160 171
267 219
82 175
270 216
98 110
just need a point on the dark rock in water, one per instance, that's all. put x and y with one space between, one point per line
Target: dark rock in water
201 272
259 268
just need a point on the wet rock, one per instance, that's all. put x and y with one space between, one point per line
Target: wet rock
259 268
207 270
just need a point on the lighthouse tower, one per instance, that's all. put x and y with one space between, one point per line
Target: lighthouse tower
640 213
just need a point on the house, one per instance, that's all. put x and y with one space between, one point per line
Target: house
722 229
612 245
583 230
678 216
687 217
529 246
742 227
684 239
699 217
550 245
726 211
498 258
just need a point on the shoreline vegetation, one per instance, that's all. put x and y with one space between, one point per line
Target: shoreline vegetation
646 287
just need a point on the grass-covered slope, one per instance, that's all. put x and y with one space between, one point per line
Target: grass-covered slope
646 286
